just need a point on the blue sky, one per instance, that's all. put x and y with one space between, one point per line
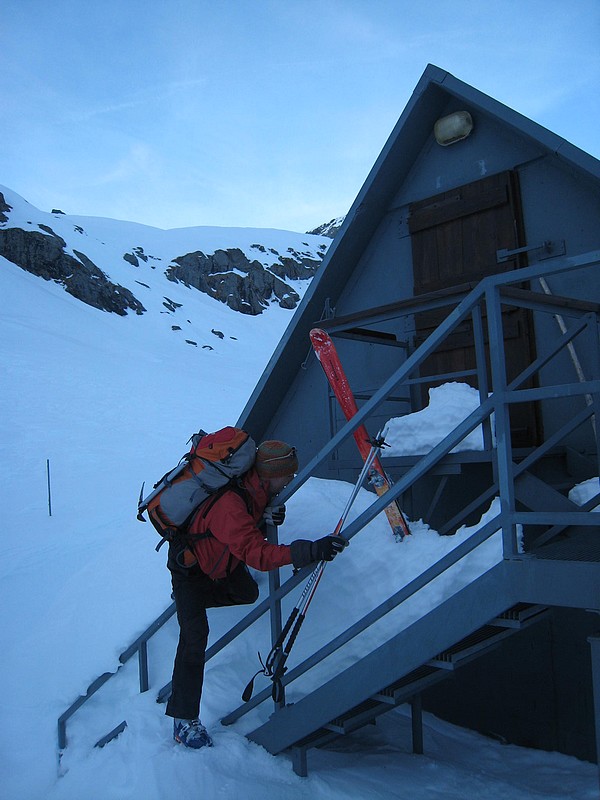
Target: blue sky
260 113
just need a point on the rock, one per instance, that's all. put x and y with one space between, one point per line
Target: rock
171 304
330 228
45 256
131 259
4 207
244 285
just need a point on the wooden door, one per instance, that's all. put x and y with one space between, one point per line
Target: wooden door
455 236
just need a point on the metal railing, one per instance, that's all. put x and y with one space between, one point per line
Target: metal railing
495 400
140 648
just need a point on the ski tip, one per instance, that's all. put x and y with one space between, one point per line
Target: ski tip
319 336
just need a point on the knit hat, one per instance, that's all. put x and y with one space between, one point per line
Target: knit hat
275 459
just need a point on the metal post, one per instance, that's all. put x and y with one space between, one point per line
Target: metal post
501 410
594 343
595 646
570 346
482 378
299 761
143 665
49 493
416 716
275 602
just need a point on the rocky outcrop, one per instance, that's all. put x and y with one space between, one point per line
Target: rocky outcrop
330 228
3 207
248 281
244 285
45 255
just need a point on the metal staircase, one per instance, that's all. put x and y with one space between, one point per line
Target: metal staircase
399 670
508 598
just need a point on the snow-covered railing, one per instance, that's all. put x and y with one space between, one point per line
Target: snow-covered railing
491 292
139 648
495 402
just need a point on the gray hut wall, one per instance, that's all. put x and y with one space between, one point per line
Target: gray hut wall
492 147
308 416
561 204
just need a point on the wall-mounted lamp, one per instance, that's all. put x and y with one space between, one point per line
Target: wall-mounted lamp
453 128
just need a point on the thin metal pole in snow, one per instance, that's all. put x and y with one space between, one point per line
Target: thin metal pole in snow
49 492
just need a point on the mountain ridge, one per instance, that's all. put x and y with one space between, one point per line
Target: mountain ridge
246 269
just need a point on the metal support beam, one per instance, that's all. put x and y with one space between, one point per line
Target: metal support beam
112 735
595 647
416 717
143 665
503 433
274 599
436 496
482 378
433 633
548 582
547 249
299 761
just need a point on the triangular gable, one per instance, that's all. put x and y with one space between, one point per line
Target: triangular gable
430 100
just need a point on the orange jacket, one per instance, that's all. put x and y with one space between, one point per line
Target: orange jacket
233 532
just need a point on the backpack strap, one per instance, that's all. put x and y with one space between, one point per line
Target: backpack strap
190 539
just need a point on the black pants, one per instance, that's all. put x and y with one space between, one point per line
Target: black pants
194 593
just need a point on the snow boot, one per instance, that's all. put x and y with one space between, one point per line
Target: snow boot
191 733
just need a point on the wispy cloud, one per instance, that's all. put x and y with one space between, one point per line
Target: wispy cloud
150 96
140 159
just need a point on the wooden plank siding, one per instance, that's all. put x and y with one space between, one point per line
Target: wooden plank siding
454 238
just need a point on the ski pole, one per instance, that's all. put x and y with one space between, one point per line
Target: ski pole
330 361
274 665
280 658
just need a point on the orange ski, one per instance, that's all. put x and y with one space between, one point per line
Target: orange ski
332 367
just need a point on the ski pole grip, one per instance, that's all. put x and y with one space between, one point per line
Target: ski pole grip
293 636
280 669
288 624
276 649
277 691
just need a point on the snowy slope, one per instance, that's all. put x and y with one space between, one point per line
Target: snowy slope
109 243
110 401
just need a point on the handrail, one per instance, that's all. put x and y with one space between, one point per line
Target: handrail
447 561
454 318
489 290
139 647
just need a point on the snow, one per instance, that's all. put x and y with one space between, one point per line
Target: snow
106 241
448 406
583 492
110 401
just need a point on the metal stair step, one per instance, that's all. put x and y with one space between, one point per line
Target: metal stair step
356 717
515 618
470 647
519 616
395 694
397 671
538 495
410 684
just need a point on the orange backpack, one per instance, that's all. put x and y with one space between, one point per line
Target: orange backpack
214 460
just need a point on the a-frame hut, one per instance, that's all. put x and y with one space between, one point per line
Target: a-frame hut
470 254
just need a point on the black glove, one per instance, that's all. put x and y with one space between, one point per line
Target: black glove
274 515
325 549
